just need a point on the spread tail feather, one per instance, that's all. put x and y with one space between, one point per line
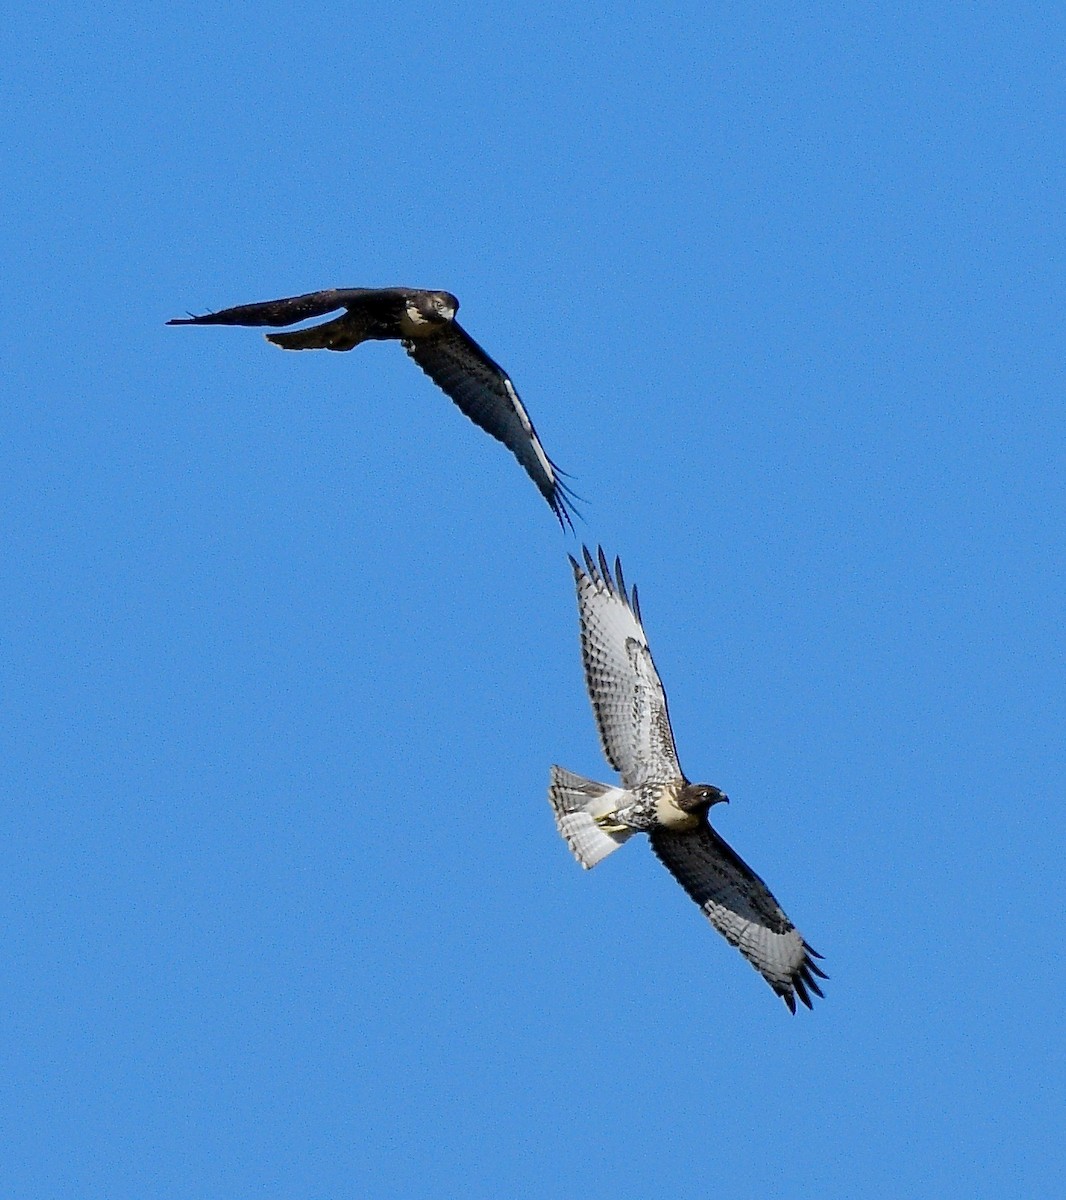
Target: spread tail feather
577 802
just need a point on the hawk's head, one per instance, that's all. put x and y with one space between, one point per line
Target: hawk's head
431 309
698 797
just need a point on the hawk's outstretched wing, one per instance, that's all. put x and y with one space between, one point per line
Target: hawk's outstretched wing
286 311
425 324
480 387
623 684
742 908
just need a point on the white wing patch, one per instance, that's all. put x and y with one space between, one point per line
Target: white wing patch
627 695
527 425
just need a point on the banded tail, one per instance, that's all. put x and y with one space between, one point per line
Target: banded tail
577 802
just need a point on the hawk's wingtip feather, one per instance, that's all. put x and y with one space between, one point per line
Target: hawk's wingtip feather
605 570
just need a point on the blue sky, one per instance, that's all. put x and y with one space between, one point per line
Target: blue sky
288 646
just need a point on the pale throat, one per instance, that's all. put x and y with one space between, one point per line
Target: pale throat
669 814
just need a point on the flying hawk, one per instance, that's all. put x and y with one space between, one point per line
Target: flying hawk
424 323
655 797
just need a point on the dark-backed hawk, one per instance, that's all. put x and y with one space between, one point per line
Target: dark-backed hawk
425 325
655 797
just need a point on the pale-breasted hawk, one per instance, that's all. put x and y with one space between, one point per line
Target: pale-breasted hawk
655 797
424 323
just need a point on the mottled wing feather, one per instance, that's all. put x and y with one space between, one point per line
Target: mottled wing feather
742 908
286 311
482 390
623 684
